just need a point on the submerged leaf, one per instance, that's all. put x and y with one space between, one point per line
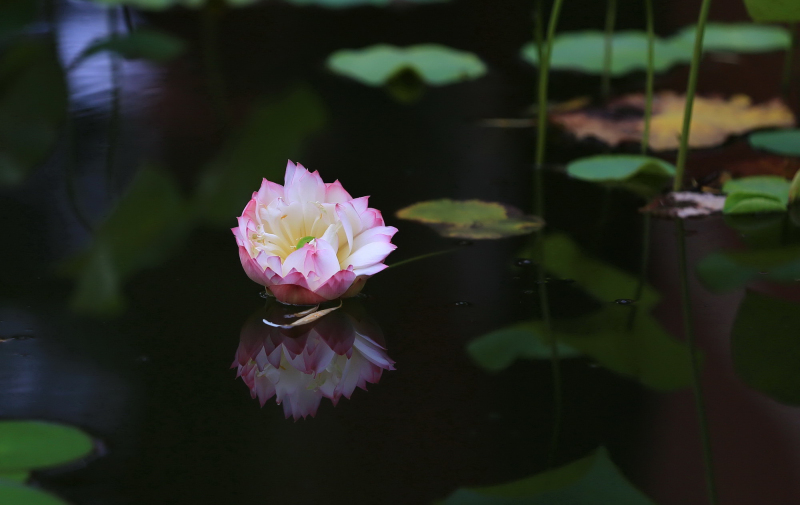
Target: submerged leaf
498 349
436 65
588 481
643 175
725 271
471 219
33 103
785 142
145 44
713 120
766 348
27 445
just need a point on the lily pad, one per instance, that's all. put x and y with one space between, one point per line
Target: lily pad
780 11
794 190
13 493
764 193
725 271
471 219
20 477
766 348
142 44
435 65
713 121
643 175
736 38
588 481
785 142
584 50
497 350
26 445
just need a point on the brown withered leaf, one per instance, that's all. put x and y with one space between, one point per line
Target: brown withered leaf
685 204
714 119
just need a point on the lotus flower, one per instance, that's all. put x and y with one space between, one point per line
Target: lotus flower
309 242
299 366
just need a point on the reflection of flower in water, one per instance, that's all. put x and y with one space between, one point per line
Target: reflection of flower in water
299 366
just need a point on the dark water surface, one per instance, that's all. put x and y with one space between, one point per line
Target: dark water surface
139 352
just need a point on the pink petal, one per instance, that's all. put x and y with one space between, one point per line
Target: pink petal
360 204
296 295
304 186
337 285
253 269
335 193
370 254
370 270
268 192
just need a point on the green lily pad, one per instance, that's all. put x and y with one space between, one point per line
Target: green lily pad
584 51
436 65
471 219
20 477
784 142
766 348
13 493
643 175
33 104
497 350
780 11
736 38
141 44
26 445
763 193
726 271
588 481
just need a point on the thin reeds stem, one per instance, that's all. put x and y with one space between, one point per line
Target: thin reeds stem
788 63
648 97
694 357
608 52
690 90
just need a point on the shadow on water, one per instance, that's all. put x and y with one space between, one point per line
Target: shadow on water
121 296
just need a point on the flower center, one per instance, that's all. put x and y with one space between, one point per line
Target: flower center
303 241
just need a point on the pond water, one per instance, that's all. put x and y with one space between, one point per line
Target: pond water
133 341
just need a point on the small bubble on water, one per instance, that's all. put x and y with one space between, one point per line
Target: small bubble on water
462 304
763 273
263 294
523 262
464 243
529 292
363 296
624 301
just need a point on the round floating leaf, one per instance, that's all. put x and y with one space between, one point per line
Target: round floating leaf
766 348
471 219
736 38
12 493
782 11
26 445
785 142
15 476
641 174
762 193
731 270
436 65
584 51
794 190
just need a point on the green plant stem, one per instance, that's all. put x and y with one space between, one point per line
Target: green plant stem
541 139
694 357
422 257
541 133
611 18
788 64
637 295
648 100
538 32
690 90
